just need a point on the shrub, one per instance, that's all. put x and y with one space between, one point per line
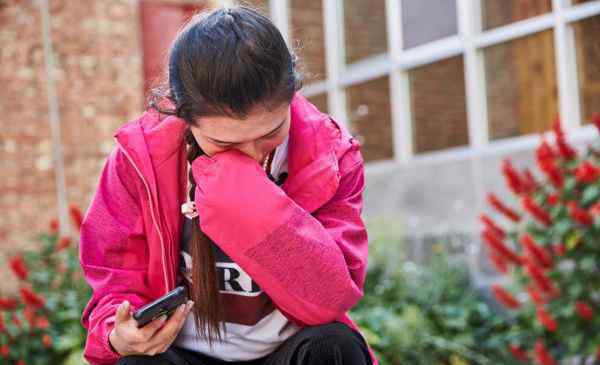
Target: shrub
550 255
42 324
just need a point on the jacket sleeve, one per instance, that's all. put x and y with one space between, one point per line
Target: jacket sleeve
311 265
112 254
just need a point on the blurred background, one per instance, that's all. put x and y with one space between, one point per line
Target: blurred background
437 91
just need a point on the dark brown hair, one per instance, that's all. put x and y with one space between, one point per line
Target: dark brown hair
223 62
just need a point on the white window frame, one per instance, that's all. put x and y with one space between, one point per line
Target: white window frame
469 43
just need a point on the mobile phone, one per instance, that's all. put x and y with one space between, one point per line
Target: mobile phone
166 304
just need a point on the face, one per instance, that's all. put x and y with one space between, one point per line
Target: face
255 136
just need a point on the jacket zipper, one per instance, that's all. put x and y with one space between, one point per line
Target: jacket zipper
162 243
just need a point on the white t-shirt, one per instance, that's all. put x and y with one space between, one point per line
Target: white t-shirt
254 327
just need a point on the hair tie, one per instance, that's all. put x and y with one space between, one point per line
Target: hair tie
189 209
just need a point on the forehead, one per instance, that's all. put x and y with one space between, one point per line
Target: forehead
259 122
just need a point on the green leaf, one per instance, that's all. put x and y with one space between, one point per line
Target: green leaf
590 195
573 240
562 227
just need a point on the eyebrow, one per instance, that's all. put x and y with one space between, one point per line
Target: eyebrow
264 135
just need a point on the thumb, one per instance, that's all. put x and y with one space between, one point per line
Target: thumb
122 312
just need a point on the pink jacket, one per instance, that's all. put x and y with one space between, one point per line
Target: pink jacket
305 243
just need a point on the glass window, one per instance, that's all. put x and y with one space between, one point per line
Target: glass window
588 65
521 86
320 101
427 20
502 12
307 32
369 118
364 29
439 105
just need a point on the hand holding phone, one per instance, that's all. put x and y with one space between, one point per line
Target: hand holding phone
126 338
164 305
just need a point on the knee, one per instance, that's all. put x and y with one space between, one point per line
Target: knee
137 360
336 343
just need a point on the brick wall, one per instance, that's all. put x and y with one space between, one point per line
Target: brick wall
98 84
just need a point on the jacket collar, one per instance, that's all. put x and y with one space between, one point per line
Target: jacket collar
313 172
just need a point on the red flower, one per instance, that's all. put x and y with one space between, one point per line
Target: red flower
542 281
504 297
63 243
578 214
489 223
5 351
17 264
500 207
596 121
553 173
496 245
499 263
584 310
21 362
538 253
563 147
54 225
536 211
544 152
42 323
517 352
31 298
529 183
559 249
546 160
536 296
76 215
553 199
595 210
29 314
2 326
546 319
542 355
512 178
586 172
8 304
47 340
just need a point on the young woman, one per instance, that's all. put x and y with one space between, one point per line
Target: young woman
234 185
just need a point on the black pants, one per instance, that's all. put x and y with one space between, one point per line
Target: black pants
330 344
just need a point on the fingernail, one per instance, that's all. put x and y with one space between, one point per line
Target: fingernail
189 305
163 319
181 308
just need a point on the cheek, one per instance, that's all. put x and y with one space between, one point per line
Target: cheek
271 144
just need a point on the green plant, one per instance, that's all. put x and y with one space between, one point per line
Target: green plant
551 253
42 325
428 314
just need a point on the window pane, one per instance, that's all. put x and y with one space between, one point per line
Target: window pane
369 17
439 106
320 101
369 118
503 12
308 34
427 20
521 86
588 60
